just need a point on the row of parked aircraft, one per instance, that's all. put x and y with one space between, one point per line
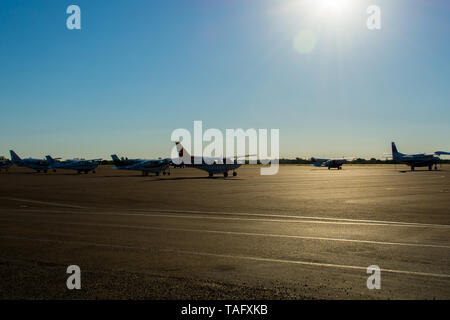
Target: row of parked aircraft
210 165
412 160
155 166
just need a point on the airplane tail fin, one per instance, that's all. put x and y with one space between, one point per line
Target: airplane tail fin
116 159
50 159
14 156
395 153
182 153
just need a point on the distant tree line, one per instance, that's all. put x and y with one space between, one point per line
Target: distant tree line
355 161
308 161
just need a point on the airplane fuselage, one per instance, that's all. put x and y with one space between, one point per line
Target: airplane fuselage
35 164
418 160
330 163
212 167
79 166
145 166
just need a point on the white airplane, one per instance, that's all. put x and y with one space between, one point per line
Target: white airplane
36 164
79 165
212 165
155 166
418 160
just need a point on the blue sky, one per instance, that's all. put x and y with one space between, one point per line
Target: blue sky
139 69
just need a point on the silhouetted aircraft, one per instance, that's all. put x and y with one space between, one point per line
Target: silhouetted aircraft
35 164
79 165
330 163
211 165
155 166
418 160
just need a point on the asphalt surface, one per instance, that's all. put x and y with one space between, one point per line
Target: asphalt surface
306 233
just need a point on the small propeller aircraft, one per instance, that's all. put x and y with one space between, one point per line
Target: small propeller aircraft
155 166
419 159
209 164
330 163
79 165
35 164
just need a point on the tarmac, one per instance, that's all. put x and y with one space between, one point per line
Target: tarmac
305 233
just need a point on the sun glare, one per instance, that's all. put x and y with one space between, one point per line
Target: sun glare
334 6
320 10
309 20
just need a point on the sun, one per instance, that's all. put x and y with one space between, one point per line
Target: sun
337 7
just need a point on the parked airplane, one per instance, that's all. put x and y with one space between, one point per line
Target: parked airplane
78 165
155 166
330 163
210 165
418 160
5 164
35 164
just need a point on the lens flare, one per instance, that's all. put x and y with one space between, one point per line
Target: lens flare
304 42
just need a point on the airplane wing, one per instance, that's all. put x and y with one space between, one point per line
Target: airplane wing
439 153
147 163
318 164
245 156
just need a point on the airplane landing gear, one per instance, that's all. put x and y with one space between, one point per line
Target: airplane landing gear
225 174
210 175
412 168
234 173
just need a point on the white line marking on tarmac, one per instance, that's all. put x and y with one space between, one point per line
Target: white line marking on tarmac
109 225
297 217
331 219
218 255
44 202
293 220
